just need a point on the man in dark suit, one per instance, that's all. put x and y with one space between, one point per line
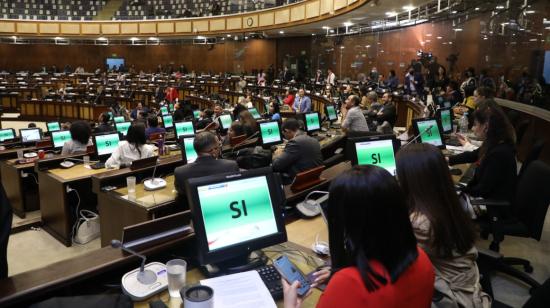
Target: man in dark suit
301 153
388 111
104 126
208 147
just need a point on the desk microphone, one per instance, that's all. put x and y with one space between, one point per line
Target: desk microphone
154 183
418 136
144 276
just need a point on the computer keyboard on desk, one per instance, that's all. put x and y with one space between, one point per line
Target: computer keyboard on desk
98 165
272 280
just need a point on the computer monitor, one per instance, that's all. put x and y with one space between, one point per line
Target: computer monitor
255 114
7 134
123 127
270 133
235 214
184 129
374 150
225 121
53 126
171 107
164 110
105 144
168 121
30 135
312 122
188 152
330 111
429 131
197 114
446 120
60 137
119 119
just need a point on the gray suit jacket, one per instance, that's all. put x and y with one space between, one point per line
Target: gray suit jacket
203 166
301 153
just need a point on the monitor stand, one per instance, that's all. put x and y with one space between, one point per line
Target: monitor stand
238 264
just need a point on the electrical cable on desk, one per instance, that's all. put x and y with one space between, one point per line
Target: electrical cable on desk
73 232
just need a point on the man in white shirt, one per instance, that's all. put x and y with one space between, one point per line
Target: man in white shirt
331 78
354 120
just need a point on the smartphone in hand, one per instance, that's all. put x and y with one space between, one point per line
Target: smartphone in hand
291 273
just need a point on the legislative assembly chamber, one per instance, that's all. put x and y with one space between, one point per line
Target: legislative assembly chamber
275 153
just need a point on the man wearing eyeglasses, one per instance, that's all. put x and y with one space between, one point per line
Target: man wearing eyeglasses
208 148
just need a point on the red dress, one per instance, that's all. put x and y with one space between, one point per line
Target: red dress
414 288
289 100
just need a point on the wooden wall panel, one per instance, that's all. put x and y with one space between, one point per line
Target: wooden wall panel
90 29
312 9
234 23
217 25
200 26
49 28
282 16
183 27
67 28
27 28
338 4
147 28
165 27
128 28
110 29
266 19
250 21
297 13
8 27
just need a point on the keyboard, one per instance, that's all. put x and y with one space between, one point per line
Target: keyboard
272 280
319 137
452 141
98 165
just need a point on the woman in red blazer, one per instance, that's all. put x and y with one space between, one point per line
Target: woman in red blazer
373 248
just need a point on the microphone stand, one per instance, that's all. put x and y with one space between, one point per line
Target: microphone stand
418 136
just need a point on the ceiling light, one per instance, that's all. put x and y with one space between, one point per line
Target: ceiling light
391 13
14 37
134 39
408 7
281 32
368 46
500 7
331 31
428 41
102 38
485 38
326 27
312 34
201 37
450 43
229 35
477 9
439 37
529 12
153 38
428 34
458 29
342 47
347 24
57 38
453 12
532 40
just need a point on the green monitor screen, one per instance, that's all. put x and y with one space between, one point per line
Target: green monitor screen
168 121
53 126
376 152
106 144
60 137
446 121
255 114
331 113
119 119
197 114
429 132
171 107
270 133
189 154
164 110
236 211
225 121
123 127
6 134
312 122
184 129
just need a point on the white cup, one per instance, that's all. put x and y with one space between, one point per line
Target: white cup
131 185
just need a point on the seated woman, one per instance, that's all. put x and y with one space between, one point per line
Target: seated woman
289 99
153 126
442 227
496 169
274 111
373 246
250 125
133 148
80 138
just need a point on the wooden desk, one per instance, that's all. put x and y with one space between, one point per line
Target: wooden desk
41 110
22 192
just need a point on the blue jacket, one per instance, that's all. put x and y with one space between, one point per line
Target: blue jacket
304 106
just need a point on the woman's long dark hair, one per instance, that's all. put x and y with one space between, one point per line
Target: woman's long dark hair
499 128
368 220
427 183
136 136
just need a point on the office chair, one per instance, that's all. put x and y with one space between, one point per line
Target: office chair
539 299
5 230
533 155
528 212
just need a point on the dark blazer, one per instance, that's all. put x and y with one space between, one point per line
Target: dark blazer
203 166
495 176
104 128
301 153
5 229
389 113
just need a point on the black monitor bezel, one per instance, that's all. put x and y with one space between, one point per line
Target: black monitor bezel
417 132
12 132
220 121
48 128
101 157
327 113
304 115
352 150
32 128
262 138
184 136
55 132
181 142
451 114
277 198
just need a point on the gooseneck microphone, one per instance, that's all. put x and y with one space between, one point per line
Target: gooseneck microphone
144 276
418 136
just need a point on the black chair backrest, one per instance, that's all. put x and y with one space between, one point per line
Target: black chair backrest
5 230
533 155
533 197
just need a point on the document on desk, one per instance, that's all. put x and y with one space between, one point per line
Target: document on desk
243 290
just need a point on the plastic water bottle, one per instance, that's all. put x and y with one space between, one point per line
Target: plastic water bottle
463 124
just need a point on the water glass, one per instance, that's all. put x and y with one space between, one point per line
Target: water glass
20 154
131 185
86 160
176 269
